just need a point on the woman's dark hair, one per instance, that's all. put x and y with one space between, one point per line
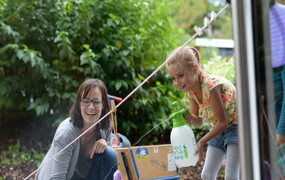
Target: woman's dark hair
84 89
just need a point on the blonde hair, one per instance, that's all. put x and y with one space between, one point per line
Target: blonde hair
187 56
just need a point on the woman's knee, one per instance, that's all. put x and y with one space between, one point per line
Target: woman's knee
110 154
104 165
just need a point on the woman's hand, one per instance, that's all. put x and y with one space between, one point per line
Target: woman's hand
98 147
280 139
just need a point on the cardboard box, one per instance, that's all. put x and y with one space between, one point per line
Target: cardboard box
146 162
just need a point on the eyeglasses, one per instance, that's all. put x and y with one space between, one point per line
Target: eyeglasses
86 102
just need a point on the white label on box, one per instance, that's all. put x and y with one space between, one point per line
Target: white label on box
155 150
171 163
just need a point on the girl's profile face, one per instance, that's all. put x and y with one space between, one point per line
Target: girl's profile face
183 77
91 107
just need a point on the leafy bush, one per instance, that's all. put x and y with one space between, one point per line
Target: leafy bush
219 66
19 153
48 48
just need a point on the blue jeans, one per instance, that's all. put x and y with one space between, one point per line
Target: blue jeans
279 96
229 136
104 165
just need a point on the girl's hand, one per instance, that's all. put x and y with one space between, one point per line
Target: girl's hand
98 147
192 118
199 150
187 116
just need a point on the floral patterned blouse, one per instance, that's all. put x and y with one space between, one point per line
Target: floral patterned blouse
228 95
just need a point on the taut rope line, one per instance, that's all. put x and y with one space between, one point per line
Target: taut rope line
199 32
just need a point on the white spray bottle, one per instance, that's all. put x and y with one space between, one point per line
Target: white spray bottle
183 141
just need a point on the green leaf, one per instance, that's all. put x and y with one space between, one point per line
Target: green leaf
118 85
7 47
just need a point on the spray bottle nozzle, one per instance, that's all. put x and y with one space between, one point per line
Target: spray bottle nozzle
177 117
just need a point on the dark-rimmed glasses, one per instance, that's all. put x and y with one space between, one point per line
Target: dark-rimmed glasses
86 102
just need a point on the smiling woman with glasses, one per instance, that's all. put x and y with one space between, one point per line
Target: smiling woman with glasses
90 157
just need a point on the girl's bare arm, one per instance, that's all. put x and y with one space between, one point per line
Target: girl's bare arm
219 112
193 117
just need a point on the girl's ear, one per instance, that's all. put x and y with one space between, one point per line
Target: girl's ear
196 67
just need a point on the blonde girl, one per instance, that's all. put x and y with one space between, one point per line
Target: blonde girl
212 98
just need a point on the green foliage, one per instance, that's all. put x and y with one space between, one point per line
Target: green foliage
219 66
207 53
221 28
187 16
48 48
18 153
192 13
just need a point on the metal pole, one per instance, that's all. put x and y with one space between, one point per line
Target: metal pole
248 127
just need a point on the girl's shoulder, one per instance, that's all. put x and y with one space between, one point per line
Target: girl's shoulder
210 81
212 77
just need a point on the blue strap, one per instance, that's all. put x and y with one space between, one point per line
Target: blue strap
126 165
135 164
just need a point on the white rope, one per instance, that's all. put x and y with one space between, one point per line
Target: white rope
199 31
